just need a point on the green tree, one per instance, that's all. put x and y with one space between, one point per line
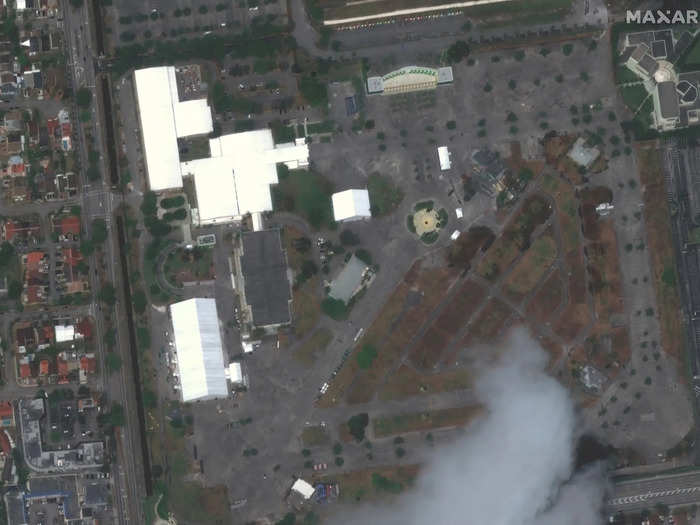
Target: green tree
334 308
140 301
99 231
108 294
357 425
83 97
314 91
366 355
457 52
113 362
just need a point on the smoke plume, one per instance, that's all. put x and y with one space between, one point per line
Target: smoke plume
513 467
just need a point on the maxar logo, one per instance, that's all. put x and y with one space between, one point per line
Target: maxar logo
689 16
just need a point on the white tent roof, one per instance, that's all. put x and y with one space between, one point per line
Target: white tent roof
444 157
304 488
199 352
351 204
64 333
242 166
235 373
163 119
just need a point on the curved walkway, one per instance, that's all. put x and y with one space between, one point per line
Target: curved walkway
160 273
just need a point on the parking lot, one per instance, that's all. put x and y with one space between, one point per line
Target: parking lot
137 21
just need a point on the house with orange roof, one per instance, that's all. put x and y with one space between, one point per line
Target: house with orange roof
7 414
70 225
43 367
25 371
84 327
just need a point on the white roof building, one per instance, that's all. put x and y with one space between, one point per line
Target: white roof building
200 358
444 158
236 178
303 488
64 333
164 119
351 205
235 373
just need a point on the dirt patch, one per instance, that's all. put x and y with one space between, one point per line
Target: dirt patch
489 324
573 320
385 426
556 148
604 277
515 238
531 267
392 338
453 316
663 263
357 486
467 245
306 306
425 221
407 382
567 209
547 299
315 436
380 326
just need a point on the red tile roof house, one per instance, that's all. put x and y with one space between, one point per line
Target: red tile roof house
70 225
25 371
88 363
7 414
44 367
62 366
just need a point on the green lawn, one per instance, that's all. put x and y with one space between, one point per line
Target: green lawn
307 194
692 59
384 195
633 96
623 75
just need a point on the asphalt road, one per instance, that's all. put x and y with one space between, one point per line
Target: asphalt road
672 490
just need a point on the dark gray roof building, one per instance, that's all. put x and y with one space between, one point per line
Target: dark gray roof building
263 272
668 100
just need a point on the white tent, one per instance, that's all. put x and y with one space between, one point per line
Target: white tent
64 333
200 358
164 119
351 205
303 488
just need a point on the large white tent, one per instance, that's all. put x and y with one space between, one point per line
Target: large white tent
200 357
236 178
351 205
164 119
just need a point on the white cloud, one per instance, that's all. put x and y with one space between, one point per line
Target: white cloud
513 467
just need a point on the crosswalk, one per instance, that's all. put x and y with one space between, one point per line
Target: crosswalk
644 498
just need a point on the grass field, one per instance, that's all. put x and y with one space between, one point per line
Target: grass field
406 382
656 216
633 96
358 485
691 62
417 421
315 436
308 194
567 210
530 269
183 266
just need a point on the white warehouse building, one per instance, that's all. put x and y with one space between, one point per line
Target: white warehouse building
234 179
351 205
200 356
